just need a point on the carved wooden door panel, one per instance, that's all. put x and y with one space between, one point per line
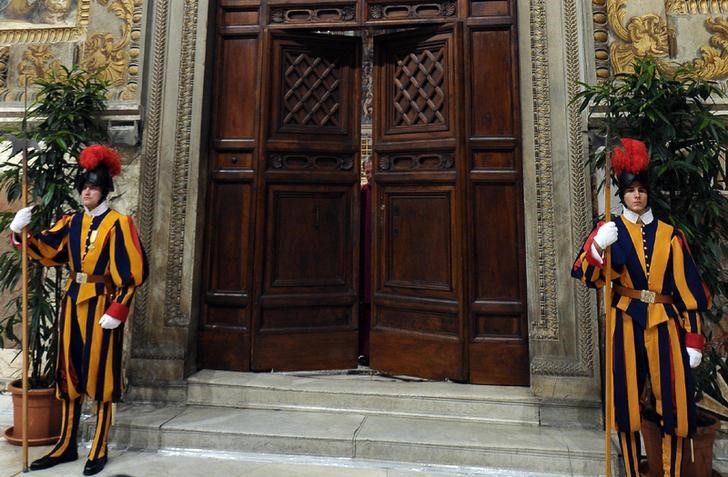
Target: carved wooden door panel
306 313
498 324
226 298
417 309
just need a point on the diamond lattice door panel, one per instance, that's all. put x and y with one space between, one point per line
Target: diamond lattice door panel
311 95
417 310
313 87
419 78
306 307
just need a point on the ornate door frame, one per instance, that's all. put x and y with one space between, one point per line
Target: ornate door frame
562 325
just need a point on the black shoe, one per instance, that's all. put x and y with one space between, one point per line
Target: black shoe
94 466
46 462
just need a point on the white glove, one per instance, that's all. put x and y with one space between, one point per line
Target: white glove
606 235
21 219
695 357
108 322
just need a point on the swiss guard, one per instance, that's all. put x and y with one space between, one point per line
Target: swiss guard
655 312
106 264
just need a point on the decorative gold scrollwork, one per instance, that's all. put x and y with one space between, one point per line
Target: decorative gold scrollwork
713 61
648 35
4 58
103 54
644 35
38 62
692 7
106 54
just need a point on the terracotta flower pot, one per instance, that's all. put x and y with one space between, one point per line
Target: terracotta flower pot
44 416
702 448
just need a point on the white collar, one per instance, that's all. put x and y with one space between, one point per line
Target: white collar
647 217
100 209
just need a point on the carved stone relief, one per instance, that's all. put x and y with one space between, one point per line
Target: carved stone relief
545 327
177 316
150 166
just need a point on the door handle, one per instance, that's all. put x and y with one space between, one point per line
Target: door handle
316 218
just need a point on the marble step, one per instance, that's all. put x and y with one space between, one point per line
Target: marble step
385 396
359 436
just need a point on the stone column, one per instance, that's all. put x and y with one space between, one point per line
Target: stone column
163 335
556 52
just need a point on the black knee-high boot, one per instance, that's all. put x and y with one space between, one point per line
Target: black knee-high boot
66 449
97 455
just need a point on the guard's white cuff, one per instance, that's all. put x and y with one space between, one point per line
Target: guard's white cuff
597 256
109 322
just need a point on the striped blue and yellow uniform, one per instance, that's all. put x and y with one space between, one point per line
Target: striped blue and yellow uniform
649 339
89 357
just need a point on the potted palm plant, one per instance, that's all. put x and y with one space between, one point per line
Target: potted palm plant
673 113
64 118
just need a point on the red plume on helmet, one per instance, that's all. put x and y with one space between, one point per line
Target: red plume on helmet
93 156
99 164
631 157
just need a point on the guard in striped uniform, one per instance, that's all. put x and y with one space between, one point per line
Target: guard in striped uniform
107 263
655 312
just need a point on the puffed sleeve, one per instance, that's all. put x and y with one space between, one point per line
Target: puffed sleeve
587 268
691 296
128 266
50 247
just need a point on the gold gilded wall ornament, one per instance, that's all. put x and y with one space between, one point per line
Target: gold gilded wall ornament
124 9
649 35
679 7
645 35
687 7
43 21
4 59
110 55
105 56
38 62
713 61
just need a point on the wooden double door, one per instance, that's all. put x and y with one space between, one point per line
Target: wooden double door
283 236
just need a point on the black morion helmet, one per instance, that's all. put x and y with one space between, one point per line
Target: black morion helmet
98 165
99 177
